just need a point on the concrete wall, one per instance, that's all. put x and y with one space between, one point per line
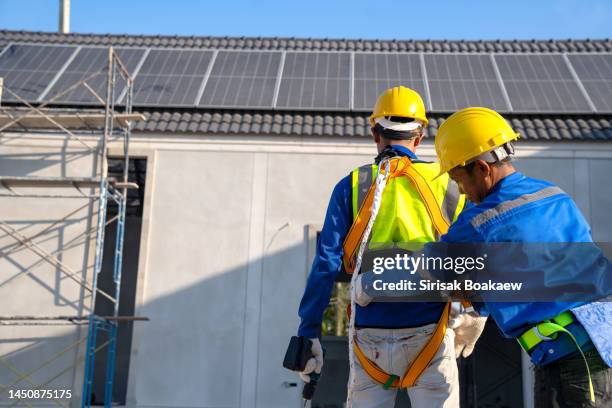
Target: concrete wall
33 286
224 255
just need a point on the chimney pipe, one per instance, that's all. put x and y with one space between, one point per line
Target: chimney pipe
64 16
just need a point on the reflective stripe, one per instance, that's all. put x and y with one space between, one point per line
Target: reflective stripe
361 180
451 200
354 184
506 206
364 182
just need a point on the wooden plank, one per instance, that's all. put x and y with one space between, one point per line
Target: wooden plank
69 121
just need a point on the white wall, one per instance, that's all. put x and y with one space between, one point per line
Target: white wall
31 286
281 186
224 254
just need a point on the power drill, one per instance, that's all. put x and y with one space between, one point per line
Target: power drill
297 355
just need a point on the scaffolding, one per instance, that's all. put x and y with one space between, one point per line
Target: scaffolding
109 124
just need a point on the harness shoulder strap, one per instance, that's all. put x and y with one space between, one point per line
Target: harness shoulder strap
434 210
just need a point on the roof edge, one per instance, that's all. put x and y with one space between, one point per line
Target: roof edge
322 44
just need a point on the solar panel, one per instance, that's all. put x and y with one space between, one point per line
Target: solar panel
595 73
315 80
242 79
171 77
461 80
376 72
540 83
28 69
92 64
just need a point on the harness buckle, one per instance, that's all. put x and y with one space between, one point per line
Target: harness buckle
389 383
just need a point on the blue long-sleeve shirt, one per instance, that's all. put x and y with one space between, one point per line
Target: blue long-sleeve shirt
550 219
327 264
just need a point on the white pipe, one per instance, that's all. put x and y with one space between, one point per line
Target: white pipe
64 16
528 380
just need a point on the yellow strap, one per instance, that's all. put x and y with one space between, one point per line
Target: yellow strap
548 328
354 187
399 167
418 365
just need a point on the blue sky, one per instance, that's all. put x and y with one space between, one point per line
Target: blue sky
450 19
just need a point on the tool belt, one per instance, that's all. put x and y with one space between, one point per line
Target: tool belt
418 365
549 330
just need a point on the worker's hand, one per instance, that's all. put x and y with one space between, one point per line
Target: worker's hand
315 363
361 298
468 329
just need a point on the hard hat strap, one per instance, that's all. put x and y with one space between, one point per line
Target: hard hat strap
496 155
396 134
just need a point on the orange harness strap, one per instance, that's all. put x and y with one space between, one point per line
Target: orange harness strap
355 234
416 368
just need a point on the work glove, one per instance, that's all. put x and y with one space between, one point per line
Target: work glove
361 298
315 363
467 327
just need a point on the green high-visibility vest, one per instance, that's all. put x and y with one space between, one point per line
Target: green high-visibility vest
403 217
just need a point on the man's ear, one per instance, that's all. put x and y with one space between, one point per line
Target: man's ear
376 135
483 168
417 140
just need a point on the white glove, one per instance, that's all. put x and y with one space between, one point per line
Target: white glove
468 329
314 364
361 298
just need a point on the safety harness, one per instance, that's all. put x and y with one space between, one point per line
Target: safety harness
398 167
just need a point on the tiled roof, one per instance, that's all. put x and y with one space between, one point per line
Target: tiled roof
353 125
334 124
276 43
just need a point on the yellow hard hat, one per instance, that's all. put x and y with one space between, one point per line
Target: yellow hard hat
399 101
468 133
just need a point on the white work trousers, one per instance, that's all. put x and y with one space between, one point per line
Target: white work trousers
393 350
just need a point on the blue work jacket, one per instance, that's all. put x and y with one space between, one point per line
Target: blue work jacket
523 209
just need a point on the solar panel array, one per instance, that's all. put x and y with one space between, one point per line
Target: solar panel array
171 77
458 81
542 83
308 80
89 64
28 70
595 73
242 79
315 80
376 72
